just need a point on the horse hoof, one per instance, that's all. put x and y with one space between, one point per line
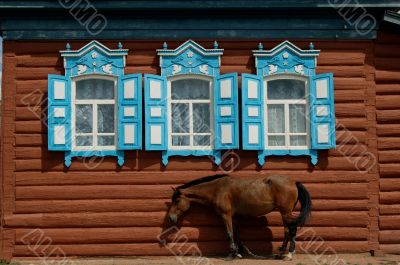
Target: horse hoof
287 258
230 257
239 256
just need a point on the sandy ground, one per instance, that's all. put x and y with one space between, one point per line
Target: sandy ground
300 259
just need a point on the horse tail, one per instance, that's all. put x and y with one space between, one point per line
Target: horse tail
305 200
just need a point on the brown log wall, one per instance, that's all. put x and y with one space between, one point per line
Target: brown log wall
388 129
96 208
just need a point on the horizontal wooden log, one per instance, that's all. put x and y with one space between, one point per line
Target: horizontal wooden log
187 163
393 209
389 170
27 87
352 123
389 184
382 89
348 137
152 205
343 71
386 50
173 178
384 76
340 58
388 143
349 95
189 249
389 237
31 113
318 191
31 127
392 197
387 63
386 102
389 222
201 234
350 110
201 217
388 116
42 60
30 139
350 83
389 156
390 248
388 130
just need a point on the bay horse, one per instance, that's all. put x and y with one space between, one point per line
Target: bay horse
231 196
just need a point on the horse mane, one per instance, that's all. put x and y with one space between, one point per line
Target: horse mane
195 182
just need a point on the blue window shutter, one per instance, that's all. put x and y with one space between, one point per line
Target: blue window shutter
155 89
226 112
59 113
252 112
130 112
323 133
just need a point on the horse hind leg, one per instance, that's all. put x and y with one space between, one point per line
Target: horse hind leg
282 249
292 247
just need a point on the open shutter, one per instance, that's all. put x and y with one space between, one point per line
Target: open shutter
130 112
323 134
226 125
59 113
155 89
252 112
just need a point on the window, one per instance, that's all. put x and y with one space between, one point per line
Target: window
190 113
94 113
287 115
94 109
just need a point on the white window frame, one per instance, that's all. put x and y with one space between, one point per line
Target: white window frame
286 103
190 102
94 103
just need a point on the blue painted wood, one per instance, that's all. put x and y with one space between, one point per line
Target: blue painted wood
95 59
231 120
287 59
253 104
54 121
134 103
329 119
160 103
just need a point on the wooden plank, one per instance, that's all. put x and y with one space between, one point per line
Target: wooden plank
151 205
388 143
201 234
173 178
392 197
151 219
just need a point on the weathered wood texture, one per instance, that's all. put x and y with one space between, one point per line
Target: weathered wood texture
98 208
388 130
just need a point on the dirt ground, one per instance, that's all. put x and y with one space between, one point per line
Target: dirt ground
300 259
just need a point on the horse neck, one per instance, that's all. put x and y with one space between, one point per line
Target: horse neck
202 193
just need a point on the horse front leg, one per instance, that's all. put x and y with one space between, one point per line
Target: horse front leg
233 249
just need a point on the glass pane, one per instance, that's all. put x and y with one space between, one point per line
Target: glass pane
180 140
276 118
286 89
105 140
276 140
201 118
297 118
201 140
297 140
84 140
105 116
180 118
84 118
190 89
95 89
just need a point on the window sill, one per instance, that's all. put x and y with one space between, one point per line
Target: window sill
214 153
308 152
90 153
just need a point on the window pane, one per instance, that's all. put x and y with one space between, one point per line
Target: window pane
276 118
105 116
84 140
286 89
95 89
297 118
201 140
201 118
180 140
297 140
276 140
190 89
180 118
105 140
84 118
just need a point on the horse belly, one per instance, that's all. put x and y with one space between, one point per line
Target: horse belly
254 208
